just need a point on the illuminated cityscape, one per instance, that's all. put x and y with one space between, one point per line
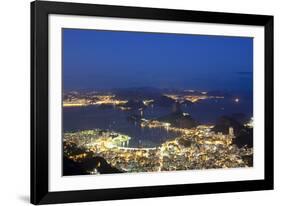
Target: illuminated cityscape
192 98
91 99
198 147
154 102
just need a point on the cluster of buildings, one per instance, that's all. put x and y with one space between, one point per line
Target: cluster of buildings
154 124
250 124
196 148
212 151
181 98
74 99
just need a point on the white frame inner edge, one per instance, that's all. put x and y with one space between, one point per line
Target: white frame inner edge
57 182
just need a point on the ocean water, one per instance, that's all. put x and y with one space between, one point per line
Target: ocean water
114 119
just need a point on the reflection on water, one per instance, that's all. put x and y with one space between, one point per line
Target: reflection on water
91 117
84 118
207 111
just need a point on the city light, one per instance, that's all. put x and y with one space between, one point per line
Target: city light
196 148
199 147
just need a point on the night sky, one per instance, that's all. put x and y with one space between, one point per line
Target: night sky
95 60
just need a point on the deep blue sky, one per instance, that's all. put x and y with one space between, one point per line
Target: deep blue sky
109 59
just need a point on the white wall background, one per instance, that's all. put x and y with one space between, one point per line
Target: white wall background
14 101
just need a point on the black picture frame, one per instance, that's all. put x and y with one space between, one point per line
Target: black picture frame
39 102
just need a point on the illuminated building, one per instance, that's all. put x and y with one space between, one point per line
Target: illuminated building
231 131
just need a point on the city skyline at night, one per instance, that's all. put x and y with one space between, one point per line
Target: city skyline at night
153 102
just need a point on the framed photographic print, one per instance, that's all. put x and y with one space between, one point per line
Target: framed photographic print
131 102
